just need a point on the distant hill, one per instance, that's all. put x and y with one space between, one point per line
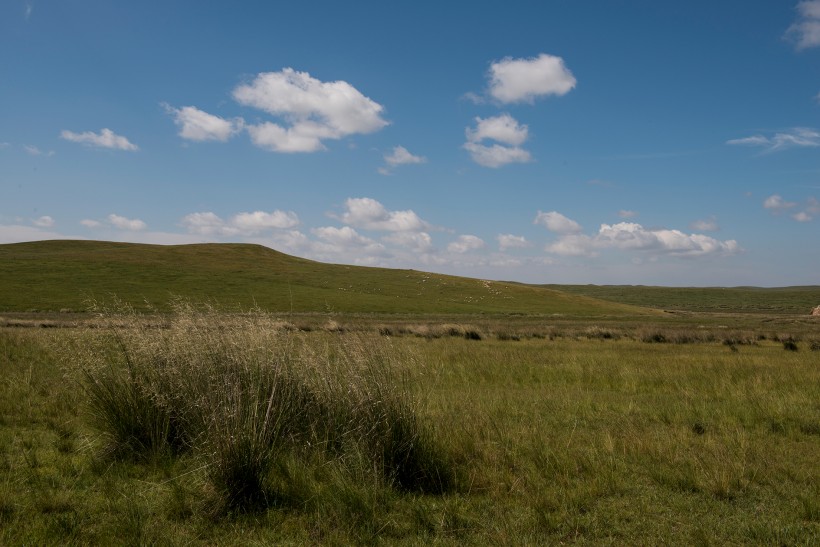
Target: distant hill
782 300
55 275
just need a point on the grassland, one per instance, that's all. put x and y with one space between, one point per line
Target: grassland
571 432
55 275
768 301
520 422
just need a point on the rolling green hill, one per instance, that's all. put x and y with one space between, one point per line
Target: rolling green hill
781 300
54 275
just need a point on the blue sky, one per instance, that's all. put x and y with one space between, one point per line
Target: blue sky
565 141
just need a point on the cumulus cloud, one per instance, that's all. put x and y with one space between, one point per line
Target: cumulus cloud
197 125
89 223
805 32
777 204
465 243
505 130
556 222
629 236
420 242
705 225
128 224
796 137
209 223
260 220
399 156
524 80
509 241
369 214
802 216
496 155
313 110
624 213
44 222
346 239
104 139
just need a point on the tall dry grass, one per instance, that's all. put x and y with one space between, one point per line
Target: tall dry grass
249 397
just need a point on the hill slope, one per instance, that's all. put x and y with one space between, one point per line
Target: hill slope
52 275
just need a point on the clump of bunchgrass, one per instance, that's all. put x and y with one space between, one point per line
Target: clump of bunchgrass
245 394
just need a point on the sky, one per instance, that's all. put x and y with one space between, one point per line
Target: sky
555 141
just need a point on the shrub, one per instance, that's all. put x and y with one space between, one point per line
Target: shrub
472 335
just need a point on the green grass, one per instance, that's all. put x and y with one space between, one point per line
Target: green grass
781 300
55 275
572 436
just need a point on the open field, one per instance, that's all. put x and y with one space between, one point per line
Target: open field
361 405
769 301
576 431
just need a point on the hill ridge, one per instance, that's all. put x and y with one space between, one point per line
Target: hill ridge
56 274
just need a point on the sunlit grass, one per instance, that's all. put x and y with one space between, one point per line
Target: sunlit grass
591 436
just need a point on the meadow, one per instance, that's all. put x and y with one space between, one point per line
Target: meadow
207 427
233 395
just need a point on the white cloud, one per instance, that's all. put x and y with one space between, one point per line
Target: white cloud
629 236
314 110
556 222
4 145
805 32
209 223
131 225
346 240
523 80
624 213
104 139
420 242
777 204
509 241
34 151
496 155
465 243
573 245
260 220
795 137
503 128
197 125
204 223
705 225
88 223
44 222
401 156
369 214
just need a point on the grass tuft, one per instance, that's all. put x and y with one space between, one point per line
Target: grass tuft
247 395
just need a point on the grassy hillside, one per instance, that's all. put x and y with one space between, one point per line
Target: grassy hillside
54 275
785 300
